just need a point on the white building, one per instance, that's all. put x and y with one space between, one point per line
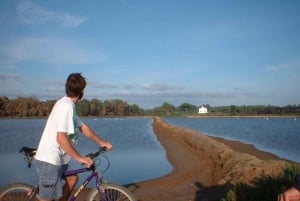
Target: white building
202 110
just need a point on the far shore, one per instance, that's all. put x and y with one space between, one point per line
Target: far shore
243 116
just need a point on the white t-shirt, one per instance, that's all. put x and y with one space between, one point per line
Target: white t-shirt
63 118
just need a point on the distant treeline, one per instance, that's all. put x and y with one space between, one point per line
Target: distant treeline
33 107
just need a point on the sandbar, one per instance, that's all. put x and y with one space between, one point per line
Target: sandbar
204 167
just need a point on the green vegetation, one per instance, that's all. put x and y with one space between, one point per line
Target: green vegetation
264 189
32 107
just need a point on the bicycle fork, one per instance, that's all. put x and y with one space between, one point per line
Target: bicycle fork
80 189
101 191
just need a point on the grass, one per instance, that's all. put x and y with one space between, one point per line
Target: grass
264 189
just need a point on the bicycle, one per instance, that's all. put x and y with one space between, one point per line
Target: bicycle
102 192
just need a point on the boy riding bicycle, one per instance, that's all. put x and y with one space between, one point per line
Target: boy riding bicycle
56 146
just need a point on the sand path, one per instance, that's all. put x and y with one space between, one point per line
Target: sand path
204 167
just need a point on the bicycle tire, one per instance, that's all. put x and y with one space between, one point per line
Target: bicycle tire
112 192
16 192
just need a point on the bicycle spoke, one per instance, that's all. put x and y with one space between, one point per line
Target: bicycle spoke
15 195
111 192
17 192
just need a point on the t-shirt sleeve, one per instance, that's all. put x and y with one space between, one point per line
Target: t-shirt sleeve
65 119
77 121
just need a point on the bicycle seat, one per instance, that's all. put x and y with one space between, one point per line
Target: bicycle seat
28 151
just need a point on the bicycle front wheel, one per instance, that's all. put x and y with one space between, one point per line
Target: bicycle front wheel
111 192
17 192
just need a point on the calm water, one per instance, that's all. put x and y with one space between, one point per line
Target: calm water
280 136
136 155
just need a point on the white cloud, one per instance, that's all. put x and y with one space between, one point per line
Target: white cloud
285 66
49 51
102 85
30 13
158 87
7 76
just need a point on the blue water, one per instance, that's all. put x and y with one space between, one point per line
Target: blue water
136 154
280 136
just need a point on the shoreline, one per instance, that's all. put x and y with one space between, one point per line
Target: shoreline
249 149
204 167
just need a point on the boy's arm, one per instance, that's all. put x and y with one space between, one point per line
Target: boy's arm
64 142
89 133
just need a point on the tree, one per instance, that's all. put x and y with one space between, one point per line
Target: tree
25 107
122 108
83 107
109 108
187 108
135 110
95 107
233 109
4 102
165 109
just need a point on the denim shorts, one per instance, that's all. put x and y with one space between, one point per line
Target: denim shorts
51 180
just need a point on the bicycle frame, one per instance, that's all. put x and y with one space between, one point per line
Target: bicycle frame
30 152
94 174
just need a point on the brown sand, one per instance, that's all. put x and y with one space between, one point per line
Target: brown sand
203 167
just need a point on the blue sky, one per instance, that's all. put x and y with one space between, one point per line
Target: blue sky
148 52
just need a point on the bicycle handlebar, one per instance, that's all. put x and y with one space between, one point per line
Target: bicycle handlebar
96 154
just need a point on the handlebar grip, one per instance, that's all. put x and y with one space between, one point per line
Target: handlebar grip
94 155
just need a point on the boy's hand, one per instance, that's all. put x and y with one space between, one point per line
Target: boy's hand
87 161
107 145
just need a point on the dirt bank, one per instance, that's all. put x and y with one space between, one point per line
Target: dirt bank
204 167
